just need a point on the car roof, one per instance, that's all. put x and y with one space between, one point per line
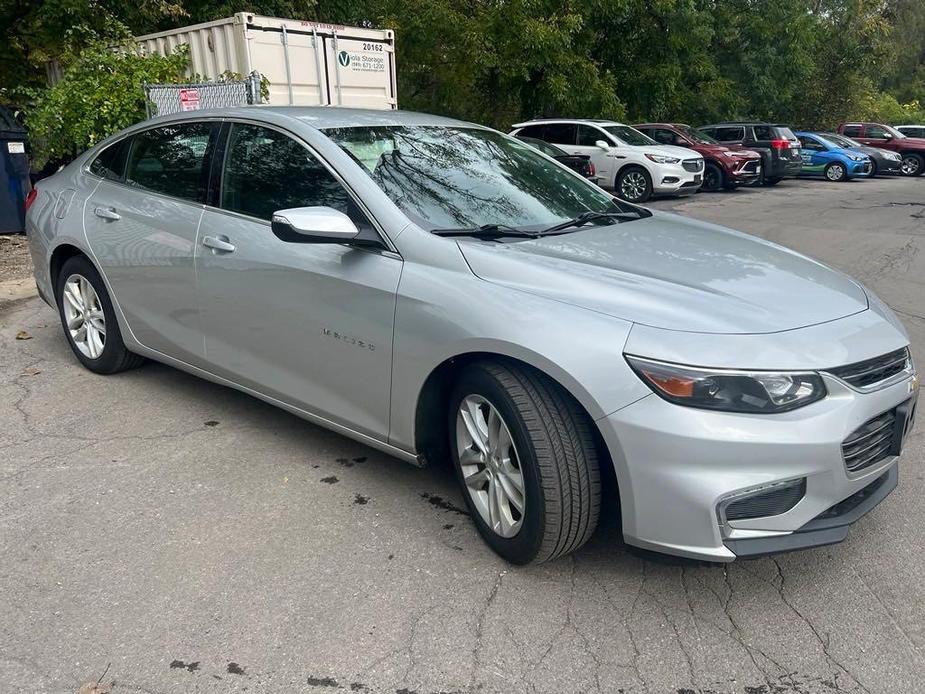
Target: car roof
538 121
659 125
745 122
320 117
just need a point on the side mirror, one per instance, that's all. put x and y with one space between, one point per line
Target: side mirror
603 145
887 136
313 225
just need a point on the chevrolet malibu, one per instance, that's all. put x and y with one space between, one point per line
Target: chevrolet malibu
441 291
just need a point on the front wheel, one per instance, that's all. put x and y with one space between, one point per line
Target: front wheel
836 172
526 459
712 178
912 165
633 185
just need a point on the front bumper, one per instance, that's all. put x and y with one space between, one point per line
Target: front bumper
676 466
744 171
678 179
889 166
859 169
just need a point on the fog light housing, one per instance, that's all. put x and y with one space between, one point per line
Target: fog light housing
670 179
759 502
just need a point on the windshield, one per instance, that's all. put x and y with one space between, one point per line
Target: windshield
628 135
894 132
458 177
840 140
697 135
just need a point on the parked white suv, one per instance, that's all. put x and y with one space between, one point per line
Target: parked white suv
635 166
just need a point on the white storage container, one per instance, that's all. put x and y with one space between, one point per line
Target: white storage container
307 63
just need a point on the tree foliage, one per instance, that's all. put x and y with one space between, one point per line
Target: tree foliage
810 63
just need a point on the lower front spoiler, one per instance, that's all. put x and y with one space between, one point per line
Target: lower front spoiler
826 529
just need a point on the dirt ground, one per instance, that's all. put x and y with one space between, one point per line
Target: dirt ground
15 268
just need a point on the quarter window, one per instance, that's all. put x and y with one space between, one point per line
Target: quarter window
171 160
852 131
763 132
266 171
110 163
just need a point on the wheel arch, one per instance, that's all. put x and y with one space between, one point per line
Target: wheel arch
430 425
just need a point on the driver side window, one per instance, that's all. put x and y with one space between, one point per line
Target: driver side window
875 132
266 170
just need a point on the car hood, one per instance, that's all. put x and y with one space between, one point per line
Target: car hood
671 272
670 150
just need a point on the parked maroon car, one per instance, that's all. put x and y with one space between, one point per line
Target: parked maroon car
911 149
724 166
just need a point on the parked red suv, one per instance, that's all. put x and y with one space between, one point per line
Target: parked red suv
911 149
724 167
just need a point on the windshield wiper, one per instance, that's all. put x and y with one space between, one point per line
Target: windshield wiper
588 217
491 231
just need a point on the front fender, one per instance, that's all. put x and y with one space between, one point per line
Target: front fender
444 313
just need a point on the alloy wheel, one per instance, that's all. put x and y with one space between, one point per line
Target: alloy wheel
84 316
633 185
490 466
910 165
835 172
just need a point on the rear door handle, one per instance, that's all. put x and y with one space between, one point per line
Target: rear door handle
107 213
218 244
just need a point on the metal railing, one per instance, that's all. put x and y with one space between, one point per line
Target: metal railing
164 99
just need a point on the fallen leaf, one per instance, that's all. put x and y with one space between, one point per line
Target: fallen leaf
93 688
23 335
31 371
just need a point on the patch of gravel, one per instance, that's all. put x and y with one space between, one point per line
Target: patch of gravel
15 261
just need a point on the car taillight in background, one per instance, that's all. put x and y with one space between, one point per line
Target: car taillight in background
30 198
591 170
780 144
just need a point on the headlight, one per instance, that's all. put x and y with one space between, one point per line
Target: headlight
662 159
758 392
854 158
893 155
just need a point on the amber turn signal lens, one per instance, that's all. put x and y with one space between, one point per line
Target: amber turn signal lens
672 385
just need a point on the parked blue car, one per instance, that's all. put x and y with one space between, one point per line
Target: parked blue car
823 158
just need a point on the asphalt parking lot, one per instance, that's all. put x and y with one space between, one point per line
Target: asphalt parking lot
163 534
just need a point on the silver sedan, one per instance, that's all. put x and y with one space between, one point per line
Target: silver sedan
439 290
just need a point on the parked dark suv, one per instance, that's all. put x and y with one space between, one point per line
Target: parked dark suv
778 146
725 167
911 149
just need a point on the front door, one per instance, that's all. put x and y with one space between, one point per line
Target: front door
308 324
141 224
588 137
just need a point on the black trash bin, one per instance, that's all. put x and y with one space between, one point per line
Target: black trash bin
14 174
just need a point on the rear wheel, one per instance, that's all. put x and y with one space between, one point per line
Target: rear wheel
525 456
912 165
836 172
633 185
712 178
89 320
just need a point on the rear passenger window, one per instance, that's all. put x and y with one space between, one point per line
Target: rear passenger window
560 133
734 134
266 171
852 131
171 160
110 163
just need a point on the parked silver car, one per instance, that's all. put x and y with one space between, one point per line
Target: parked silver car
439 290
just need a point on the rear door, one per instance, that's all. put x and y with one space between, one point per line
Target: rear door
141 224
308 324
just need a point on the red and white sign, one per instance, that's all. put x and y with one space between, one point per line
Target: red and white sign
189 99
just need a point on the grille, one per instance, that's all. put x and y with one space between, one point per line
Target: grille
692 164
752 166
772 502
870 443
871 371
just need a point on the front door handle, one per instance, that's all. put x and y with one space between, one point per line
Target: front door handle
218 244
107 213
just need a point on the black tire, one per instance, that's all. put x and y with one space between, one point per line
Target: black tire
771 181
114 356
556 454
838 178
713 178
913 164
873 168
629 174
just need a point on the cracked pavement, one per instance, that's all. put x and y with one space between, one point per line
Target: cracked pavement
193 539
